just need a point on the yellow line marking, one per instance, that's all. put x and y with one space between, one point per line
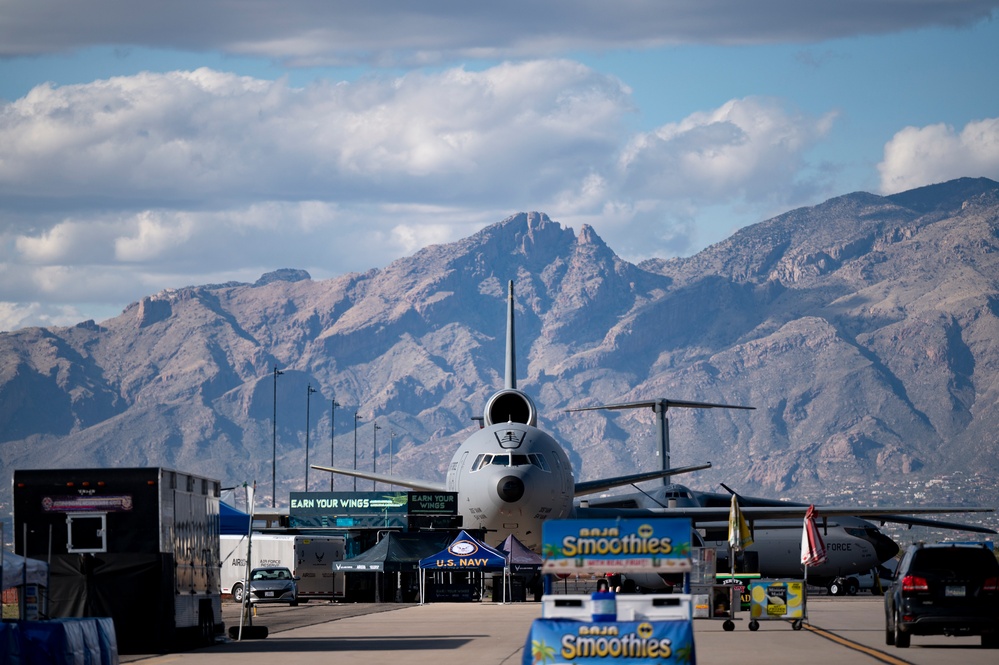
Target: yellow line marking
856 646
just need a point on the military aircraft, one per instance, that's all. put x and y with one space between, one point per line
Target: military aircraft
854 545
511 476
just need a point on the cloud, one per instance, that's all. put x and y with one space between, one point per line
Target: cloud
918 156
743 149
204 136
194 177
392 32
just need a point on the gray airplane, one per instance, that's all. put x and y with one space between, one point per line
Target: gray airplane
511 476
854 546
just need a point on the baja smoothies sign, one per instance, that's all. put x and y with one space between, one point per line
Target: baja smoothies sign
579 642
659 545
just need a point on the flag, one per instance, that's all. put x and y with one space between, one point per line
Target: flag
813 549
739 536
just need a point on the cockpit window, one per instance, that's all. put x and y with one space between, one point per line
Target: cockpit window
534 459
538 460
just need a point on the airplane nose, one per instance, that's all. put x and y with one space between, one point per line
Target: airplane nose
510 489
884 547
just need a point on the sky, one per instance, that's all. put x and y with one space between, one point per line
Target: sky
155 145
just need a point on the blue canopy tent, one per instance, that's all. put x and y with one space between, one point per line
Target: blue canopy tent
465 553
233 522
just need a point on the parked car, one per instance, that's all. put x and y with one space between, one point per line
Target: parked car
876 580
273 584
944 589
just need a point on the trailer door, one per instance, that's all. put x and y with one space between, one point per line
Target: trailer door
86 533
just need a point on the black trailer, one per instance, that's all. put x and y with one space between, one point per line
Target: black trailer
138 545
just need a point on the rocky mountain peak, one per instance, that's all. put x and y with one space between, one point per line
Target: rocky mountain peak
862 330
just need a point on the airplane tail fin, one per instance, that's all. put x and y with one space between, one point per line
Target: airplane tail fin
511 355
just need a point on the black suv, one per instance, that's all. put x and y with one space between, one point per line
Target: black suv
944 589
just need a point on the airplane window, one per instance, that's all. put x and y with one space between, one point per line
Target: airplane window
538 460
521 460
501 460
480 461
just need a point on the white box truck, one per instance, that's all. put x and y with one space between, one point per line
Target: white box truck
310 559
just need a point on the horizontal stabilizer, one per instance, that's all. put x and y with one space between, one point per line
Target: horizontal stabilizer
667 403
593 486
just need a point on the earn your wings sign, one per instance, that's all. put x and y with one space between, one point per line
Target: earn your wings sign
616 545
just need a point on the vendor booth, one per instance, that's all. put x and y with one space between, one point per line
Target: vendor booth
395 560
456 572
604 627
524 578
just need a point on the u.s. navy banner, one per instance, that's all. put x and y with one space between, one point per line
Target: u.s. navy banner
660 545
554 641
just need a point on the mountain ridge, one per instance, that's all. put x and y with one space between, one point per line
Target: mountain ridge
860 328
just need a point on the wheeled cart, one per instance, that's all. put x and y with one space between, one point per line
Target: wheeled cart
777 599
717 601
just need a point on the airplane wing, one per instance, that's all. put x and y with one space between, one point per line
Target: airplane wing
700 516
412 483
594 486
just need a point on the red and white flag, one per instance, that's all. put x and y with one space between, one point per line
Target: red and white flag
813 549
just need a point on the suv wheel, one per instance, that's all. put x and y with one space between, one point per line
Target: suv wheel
889 629
901 638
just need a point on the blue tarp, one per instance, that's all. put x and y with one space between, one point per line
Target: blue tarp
59 642
233 522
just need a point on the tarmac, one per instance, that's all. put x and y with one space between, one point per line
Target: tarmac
835 631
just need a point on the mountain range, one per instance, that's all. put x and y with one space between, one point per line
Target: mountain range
862 330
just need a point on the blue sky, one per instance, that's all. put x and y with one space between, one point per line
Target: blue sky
188 143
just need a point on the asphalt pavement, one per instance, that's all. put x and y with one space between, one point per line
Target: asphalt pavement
836 631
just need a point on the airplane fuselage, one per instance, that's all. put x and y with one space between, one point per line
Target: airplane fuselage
853 547
510 477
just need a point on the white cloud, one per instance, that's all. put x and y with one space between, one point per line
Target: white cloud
207 136
200 177
918 156
747 148
401 31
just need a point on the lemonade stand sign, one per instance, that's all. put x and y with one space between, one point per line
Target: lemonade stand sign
616 545
776 599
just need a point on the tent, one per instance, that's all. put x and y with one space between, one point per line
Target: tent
524 568
465 553
519 558
395 552
233 522
17 570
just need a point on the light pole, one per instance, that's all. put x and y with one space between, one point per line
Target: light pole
356 418
374 455
333 405
277 373
391 448
308 423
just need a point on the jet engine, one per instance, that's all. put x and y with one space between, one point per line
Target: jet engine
510 406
